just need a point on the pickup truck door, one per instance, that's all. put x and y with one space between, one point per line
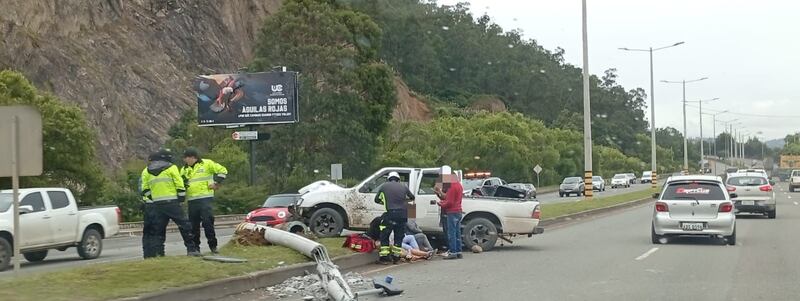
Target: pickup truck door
34 226
64 221
427 209
367 193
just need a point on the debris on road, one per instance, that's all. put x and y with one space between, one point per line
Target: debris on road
309 287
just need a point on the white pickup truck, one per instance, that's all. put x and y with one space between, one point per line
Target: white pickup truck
50 219
794 180
485 219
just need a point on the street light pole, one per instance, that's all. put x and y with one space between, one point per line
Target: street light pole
702 143
685 148
653 146
587 116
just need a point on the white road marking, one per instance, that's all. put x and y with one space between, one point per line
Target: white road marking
648 253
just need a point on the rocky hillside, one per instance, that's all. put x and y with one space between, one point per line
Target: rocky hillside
128 63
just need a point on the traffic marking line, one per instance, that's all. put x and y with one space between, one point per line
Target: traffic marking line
648 253
795 203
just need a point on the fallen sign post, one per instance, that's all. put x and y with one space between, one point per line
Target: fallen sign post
22 156
330 277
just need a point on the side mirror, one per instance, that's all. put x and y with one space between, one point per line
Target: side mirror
365 189
656 195
25 209
772 182
733 195
433 202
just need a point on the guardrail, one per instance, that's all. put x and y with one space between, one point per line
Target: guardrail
220 221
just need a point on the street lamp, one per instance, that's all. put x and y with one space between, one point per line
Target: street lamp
685 148
654 166
714 134
700 102
587 116
762 141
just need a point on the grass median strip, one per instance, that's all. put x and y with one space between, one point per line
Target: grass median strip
550 211
130 278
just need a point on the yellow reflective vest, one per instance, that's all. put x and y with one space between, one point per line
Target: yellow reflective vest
199 176
166 186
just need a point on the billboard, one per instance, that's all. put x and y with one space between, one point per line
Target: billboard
789 161
246 98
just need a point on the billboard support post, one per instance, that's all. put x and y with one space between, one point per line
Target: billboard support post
252 159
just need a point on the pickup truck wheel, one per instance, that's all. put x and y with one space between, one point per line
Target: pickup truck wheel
480 231
91 245
5 254
326 222
35 256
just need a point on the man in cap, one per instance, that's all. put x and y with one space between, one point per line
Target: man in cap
203 177
394 196
163 190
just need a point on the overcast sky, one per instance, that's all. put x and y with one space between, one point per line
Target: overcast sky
749 50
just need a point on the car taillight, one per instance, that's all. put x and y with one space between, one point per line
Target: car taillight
119 215
662 207
726 207
731 189
537 213
766 188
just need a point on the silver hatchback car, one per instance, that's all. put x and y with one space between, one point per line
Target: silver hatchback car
694 206
754 191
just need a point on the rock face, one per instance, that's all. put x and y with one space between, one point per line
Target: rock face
128 63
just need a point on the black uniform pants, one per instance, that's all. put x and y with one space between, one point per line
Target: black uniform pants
154 233
394 221
201 212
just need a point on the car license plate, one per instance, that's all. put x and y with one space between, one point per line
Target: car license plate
692 226
748 203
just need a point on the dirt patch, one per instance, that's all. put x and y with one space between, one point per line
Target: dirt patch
409 106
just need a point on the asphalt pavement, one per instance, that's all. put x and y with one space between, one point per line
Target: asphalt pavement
611 257
114 249
552 197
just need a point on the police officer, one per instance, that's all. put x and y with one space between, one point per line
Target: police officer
163 191
203 177
393 195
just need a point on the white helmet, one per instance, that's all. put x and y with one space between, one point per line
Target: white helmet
394 174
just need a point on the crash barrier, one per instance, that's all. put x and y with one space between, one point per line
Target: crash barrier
330 276
231 219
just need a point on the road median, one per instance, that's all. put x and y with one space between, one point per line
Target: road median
554 214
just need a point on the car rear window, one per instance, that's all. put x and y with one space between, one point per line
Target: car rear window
571 180
693 191
620 176
747 181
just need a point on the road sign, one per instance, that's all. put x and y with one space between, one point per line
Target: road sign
336 172
245 135
537 169
20 155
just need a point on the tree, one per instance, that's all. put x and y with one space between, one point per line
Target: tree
69 142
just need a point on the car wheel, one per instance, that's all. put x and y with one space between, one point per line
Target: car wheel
5 253
35 256
91 245
771 213
655 238
326 222
731 240
480 231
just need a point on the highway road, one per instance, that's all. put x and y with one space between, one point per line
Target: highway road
552 197
611 258
114 249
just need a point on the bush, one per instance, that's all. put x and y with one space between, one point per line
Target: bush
237 198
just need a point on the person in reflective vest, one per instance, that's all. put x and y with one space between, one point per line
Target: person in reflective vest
394 196
203 177
163 190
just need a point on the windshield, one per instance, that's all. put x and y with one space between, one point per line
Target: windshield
620 176
796 173
571 180
597 178
646 174
5 202
277 201
693 191
747 181
471 184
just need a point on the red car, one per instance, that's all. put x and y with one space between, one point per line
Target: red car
274 211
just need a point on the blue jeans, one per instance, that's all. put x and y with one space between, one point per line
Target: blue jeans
454 232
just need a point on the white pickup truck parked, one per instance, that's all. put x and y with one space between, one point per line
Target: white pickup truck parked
485 218
50 219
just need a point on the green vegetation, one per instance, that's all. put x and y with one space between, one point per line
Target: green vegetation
125 279
792 146
551 211
69 159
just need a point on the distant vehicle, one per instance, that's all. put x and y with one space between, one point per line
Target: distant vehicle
527 187
694 206
731 170
631 177
571 185
274 211
620 180
794 180
50 219
481 183
598 183
754 191
754 170
647 177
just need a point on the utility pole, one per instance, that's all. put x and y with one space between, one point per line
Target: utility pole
685 148
587 116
